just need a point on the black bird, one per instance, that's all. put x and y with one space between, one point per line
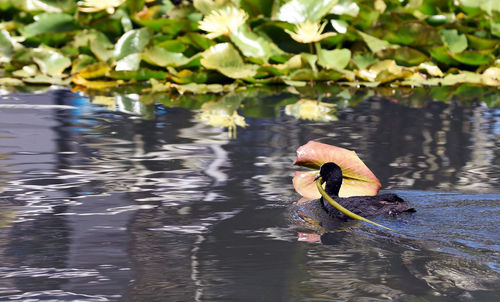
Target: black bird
364 206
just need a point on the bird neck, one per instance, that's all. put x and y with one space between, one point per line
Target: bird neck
332 188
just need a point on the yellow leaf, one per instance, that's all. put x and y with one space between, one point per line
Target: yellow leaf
491 76
96 85
95 70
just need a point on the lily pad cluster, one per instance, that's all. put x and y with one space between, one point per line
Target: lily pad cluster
212 46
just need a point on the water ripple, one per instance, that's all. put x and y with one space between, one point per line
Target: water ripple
51 273
59 295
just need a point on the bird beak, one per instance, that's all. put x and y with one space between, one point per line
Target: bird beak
318 177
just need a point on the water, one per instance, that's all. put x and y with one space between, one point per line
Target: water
100 205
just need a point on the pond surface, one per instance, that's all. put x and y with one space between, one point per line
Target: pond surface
101 205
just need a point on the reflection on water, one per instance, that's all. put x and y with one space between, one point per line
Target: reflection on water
151 203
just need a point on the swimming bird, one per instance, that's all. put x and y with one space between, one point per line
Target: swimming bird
364 206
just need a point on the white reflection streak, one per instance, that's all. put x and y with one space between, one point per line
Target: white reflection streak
38 107
112 211
50 272
473 175
213 169
41 295
184 229
194 268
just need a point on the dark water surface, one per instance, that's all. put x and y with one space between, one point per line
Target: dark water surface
98 205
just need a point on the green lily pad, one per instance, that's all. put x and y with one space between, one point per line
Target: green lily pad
142 74
375 44
206 6
298 11
252 45
50 23
122 15
175 26
102 47
495 26
135 6
187 76
364 60
158 56
128 63
339 25
45 79
455 41
474 58
311 60
173 46
300 76
131 42
479 43
6 46
148 13
441 54
405 56
333 59
50 61
26 72
292 63
154 24
414 33
44 5
99 44
22 57
346 7
224 58
10 82
197 40
257 7
462 77
81 62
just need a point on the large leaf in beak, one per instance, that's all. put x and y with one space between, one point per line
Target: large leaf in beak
358 179
304 184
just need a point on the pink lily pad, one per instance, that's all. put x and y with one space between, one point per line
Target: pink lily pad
358 179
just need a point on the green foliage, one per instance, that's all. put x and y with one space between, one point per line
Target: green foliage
455 42
333 59
224 58
249 42
49 23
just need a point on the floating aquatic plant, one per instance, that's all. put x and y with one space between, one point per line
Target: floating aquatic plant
309 32
222 21
249 43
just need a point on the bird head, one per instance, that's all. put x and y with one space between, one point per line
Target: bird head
332 174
